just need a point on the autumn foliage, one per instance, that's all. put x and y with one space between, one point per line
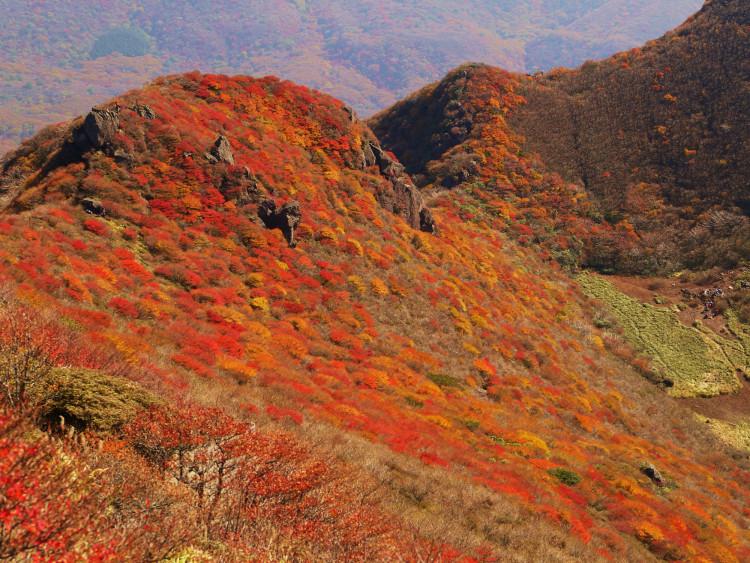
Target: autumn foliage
469 353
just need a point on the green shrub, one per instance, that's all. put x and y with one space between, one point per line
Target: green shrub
565 476
412 402
90 399
471 424
443 380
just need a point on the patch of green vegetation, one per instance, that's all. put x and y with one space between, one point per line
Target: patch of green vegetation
412 402
90 399
565 476
736 436
471 424
695 361
502 441
443 380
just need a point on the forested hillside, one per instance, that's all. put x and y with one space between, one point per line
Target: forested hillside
651 139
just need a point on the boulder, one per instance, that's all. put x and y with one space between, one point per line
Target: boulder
287 218
93 207
99 128
427 221
650 471
222 151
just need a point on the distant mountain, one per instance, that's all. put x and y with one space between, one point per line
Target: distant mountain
60 58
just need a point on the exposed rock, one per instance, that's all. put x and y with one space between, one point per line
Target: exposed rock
222 151
652 473
351 113
93 207
368 155
389 166
123 157
427 221
144 111
99 128
242 187
287 218
405 198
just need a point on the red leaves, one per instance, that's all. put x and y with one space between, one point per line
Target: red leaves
279 413
95 226
430 458
124 307
47 504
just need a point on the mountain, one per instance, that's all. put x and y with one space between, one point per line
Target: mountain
651 137
285 349
239 323
62 57
655 135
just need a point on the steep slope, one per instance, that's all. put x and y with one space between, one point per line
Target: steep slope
658 135
367 53
655 137
456 134
250 242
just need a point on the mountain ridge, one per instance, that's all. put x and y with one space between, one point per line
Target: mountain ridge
647 134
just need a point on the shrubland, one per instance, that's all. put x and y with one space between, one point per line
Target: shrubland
291 400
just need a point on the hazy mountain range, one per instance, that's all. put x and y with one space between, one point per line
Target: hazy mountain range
61 57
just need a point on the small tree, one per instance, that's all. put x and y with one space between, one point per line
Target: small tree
29 347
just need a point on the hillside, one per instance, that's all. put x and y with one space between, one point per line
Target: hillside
652 136
60 58
295 345
656 135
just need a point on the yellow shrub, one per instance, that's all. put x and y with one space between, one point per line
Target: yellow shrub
254 280
236 367
260 303
357 284
378 287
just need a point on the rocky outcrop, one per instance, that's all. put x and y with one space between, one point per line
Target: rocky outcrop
404 199
287 218
221 151
144 111
93 207
242 187
99 129
650 471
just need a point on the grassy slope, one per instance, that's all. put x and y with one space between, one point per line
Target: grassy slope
694 360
